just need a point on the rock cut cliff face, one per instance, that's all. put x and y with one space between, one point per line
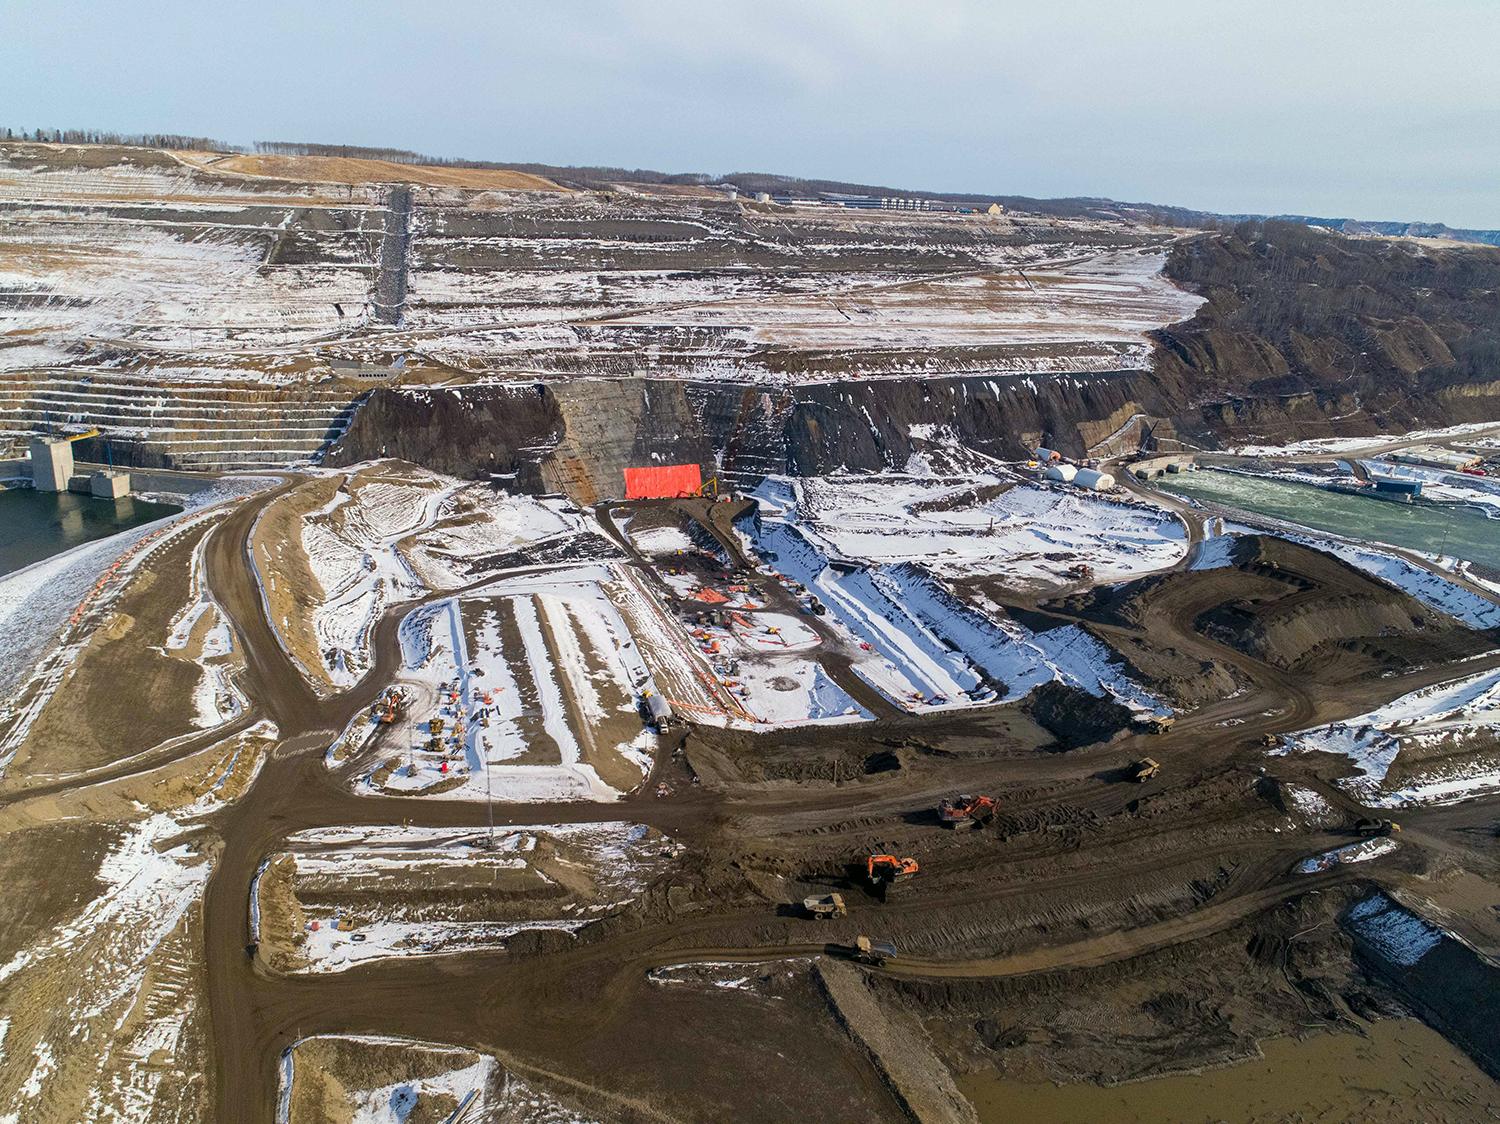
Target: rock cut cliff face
1309 334
464 431
1302 334
578 437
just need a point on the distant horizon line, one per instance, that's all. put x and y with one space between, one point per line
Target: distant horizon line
157 140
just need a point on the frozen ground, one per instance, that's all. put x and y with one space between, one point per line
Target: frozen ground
853 542
201 632
439 1079
425 1081
477 521
1448 717
1025 534
1353 853
391 533
1398 933
117 974
1432 589
351 548
1341 445
546 675
770 661
659 542
157 258
1106 300
39 604
559 877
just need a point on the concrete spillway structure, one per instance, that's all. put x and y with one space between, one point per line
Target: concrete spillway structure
107 484
51 464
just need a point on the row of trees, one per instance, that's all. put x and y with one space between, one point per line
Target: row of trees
132 140
354 151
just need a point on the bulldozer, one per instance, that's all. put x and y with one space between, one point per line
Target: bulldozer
886 870
966 811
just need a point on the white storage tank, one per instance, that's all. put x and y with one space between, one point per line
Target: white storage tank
1063 472
1094 480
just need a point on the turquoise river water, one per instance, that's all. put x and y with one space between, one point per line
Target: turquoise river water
1452 529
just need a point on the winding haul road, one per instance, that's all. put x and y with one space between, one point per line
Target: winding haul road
527 1009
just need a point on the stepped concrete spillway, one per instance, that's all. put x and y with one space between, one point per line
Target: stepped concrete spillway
211 425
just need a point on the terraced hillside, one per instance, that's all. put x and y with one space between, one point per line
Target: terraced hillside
203 423
198 308
192 306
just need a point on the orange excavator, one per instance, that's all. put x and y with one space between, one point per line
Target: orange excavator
388 707
884 870
966 811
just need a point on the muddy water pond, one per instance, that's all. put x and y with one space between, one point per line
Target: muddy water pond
36 525
1453 529
1401 1071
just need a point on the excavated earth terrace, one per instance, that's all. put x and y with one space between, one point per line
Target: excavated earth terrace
345 794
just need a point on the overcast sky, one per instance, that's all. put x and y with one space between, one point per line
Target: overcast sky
1373 109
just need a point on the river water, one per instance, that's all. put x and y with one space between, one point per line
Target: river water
1451 529
36 525
1397 1071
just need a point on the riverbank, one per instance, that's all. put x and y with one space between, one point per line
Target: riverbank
1396 1070
37 525
1454 530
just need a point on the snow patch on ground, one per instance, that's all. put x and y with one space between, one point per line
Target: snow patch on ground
617 856
1309 804
913 639
1342 856
350 545
1431 717
1402 936
1214 554
984 525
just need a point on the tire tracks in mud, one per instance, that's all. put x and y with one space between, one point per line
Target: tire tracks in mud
534 1006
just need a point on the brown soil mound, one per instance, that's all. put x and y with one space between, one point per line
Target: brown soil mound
1287 605
1323 613
345 169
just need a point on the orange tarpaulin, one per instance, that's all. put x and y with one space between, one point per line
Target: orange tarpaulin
662 482
712 596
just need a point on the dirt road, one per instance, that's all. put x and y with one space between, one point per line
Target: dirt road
534 1010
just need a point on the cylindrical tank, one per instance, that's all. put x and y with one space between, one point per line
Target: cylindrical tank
1047 455
1063 472
1094 480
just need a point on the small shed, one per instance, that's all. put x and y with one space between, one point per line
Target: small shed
1408 489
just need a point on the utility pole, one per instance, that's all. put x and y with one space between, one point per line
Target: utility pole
489 795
